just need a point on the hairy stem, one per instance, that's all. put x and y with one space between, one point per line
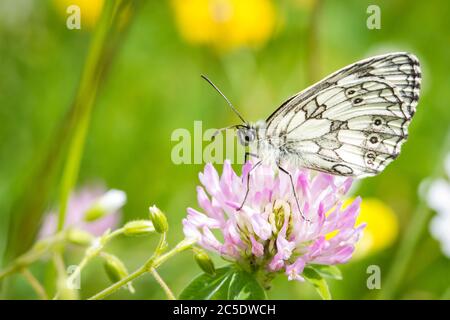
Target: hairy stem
93 251
36 252
35 284
119 284
163 285
152 263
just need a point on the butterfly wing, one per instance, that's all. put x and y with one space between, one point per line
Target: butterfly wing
354 121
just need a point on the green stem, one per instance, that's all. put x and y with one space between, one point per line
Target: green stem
116 286
95 250
95 69
61 270
72 167
37 251
35 284
180 247
92 252
87 92
28 205
152 263
405 252
163 285
410 239
8 271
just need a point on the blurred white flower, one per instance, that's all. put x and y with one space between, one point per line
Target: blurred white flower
439 228
438 198
112 200
109 202
93 209
447 165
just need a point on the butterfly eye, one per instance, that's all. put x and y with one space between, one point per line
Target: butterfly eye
246 136
249 136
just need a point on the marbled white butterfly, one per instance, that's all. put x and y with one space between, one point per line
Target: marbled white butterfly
352 123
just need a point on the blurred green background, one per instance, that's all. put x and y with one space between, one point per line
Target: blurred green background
154 87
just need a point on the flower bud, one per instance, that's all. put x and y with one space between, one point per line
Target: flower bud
110 202
80 237
204 261
94 212
138 228
159 220
115 268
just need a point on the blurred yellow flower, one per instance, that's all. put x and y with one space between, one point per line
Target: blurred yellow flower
225 24
90 10
381 230
304 4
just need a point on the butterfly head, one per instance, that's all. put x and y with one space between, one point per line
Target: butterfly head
246 134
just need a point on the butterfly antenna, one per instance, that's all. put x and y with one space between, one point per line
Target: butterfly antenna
223 129
226 99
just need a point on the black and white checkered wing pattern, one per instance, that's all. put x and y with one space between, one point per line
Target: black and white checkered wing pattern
353 122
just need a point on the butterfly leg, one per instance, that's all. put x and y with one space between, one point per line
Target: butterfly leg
248 155
295 192
248 179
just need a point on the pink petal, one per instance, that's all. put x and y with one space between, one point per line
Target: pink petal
295 270
261 226
277 262
284 246
257 248
210 179
200 220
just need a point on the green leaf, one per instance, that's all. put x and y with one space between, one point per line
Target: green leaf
244 286
208 287
331 272
228 283
319 283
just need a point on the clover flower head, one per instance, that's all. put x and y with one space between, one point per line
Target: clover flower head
107 203
269 233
